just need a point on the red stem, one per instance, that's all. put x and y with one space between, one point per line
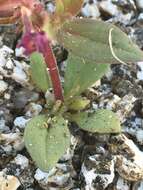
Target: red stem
39 42
54 74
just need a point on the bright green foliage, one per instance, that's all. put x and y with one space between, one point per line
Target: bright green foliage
46 142
78 103
89 39
101 121
81 74
39 71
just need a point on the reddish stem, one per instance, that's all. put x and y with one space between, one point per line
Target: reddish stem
39 42
43 45
54 74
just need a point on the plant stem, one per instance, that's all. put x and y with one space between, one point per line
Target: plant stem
39 42
54 73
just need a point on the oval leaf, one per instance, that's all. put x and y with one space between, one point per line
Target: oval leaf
46 144
39 71
101 121
98 42
80 74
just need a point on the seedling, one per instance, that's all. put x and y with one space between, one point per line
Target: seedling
92 46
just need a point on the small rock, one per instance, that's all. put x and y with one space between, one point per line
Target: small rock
3 86
135 128
140 17
129 159
140 186
3 126
19 74
24 96
109 7
124 87
10 68
138 36
125 5
7 96
22 161
33 109
20 122
7 50
19 52
40 175
139 136
125 106
98 172
122 184
113 102
59 177
9 64
139 4
90 10
13 139
50 7
2 59
140 72
8 182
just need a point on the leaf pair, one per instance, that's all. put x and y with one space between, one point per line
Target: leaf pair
47 141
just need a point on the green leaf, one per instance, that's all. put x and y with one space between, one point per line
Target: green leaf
102 121
80 74
78 103
39 71
89 39
46 143
71 7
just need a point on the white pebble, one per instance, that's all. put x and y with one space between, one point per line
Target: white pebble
19 75
20 122
7 96
139 136
50 7
122 184
19 52
109 7
90 11
40 175
141 186
3 86
140 73
91 175
140 3
22 161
